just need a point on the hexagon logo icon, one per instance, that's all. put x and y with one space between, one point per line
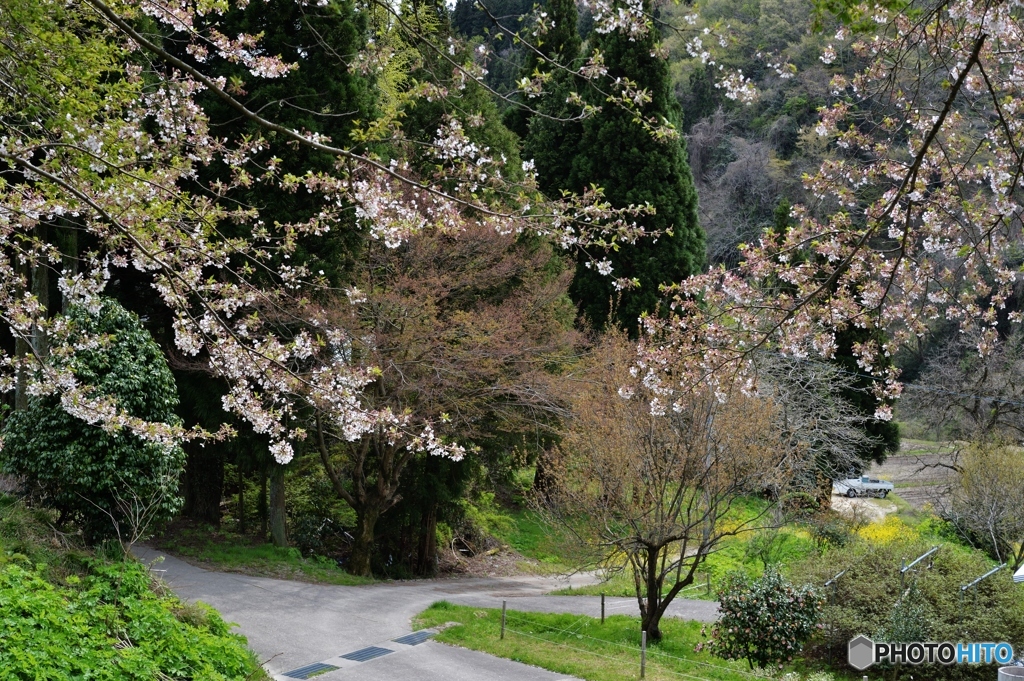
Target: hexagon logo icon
862 653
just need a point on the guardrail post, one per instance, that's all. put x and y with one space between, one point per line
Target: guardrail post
602 608
503 620
643 653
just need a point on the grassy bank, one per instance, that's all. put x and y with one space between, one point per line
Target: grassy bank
581 646
69 613
587 649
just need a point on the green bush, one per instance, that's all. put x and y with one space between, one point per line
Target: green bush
104 481
109 626
765 621
868 599
67 614
317 517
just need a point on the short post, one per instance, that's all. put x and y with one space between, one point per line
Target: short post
602 608
503 620
643 653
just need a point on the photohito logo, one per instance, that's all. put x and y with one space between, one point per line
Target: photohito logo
864 652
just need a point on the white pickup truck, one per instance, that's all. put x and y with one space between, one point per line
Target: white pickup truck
863 487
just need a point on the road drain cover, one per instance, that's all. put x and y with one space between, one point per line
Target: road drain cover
310 670
415 638
367 654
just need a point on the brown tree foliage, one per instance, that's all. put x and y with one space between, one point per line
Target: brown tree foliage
459 330
649 488
987 501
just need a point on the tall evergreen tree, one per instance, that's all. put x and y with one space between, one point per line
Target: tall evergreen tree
612 151
551 137
635 168
322 96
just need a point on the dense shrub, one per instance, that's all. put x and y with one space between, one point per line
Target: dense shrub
764 621
868 598
107 482
67 614
109 626
317 518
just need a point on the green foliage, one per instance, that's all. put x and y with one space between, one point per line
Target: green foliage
765 621
830 530
320 97
620 156
67 614
109 626
317 517
868 599
102 480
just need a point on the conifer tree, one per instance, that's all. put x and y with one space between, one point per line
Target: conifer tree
633 167
552 138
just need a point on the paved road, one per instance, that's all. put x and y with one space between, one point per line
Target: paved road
294 624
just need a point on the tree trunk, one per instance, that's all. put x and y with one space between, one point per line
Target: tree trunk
68 236
426 559
262 503
278 527
652 625
653 608
41 290
21 349
241 501
203 483
362 547
21 386
542 477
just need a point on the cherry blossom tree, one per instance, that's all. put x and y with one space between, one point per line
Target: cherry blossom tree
916 215
645 486
105 141
102 138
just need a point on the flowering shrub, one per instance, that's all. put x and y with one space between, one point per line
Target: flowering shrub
765 621
889 530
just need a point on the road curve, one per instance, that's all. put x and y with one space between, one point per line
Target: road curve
294 624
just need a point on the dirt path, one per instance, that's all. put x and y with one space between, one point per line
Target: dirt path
863 508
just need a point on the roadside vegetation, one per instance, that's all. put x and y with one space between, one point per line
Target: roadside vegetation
233 552
579 646
69 612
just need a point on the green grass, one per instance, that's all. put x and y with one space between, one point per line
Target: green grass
732 556
533 538
908 513
581 646
235 553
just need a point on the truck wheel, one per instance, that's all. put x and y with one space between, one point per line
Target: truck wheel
885 493
851 493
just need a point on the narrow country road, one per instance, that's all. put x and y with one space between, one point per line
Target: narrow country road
295 625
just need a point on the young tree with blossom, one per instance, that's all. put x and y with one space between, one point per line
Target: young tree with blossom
645 485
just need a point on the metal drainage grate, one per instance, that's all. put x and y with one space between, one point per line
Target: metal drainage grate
415 638
367 654
310 670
